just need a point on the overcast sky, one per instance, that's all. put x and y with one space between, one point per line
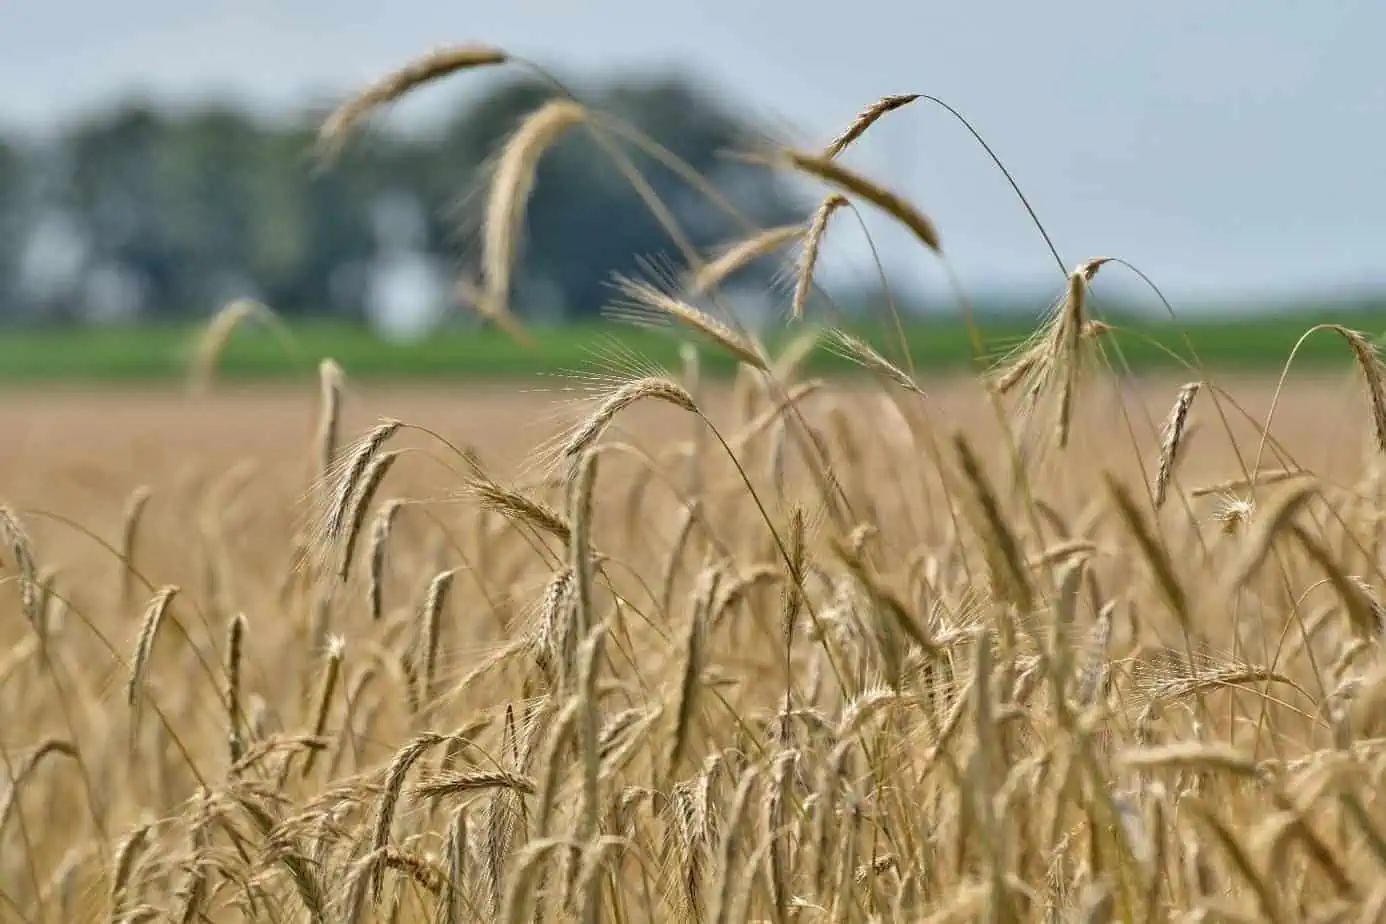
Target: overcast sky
1229 149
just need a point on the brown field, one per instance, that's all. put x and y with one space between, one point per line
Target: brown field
647 771
109 441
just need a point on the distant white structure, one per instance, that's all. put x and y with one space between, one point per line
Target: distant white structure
407 291
53 259
112 293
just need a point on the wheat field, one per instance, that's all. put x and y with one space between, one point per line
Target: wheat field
1047 644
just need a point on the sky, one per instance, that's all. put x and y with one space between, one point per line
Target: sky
1234 151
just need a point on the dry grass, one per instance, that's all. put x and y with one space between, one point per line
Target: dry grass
838 652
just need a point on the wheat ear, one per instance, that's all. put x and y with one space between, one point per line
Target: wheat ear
867 118
830 171
432 66
1172 435
510 189
813 244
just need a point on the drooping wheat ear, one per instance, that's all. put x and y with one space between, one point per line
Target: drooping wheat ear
134 510
1277 516
1363 609
792 601
13 535
1055 358
144 644
813 245
773 807
380 540
51 606
518 508
331 672
348 477
1192 755
866 118
235 648
580 560
1093 674
830 171
863 354
509 194
360 503
694 658
126 856
458 783
790 361
193 890
1373 372
434 65
647 304
330 378
592 874
455 857
1003 548
525 869
1012 374
725 889
216 335
660 389
1153 549
404 760
431 629
549 638
50 747
1072 318
1170 438
767 418
1089 268
742 253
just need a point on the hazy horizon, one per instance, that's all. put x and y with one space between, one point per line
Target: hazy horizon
1232 152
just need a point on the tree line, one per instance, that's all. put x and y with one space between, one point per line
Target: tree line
149 212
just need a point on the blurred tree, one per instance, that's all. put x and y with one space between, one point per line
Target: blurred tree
121 190
585 220
13 223
196 207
